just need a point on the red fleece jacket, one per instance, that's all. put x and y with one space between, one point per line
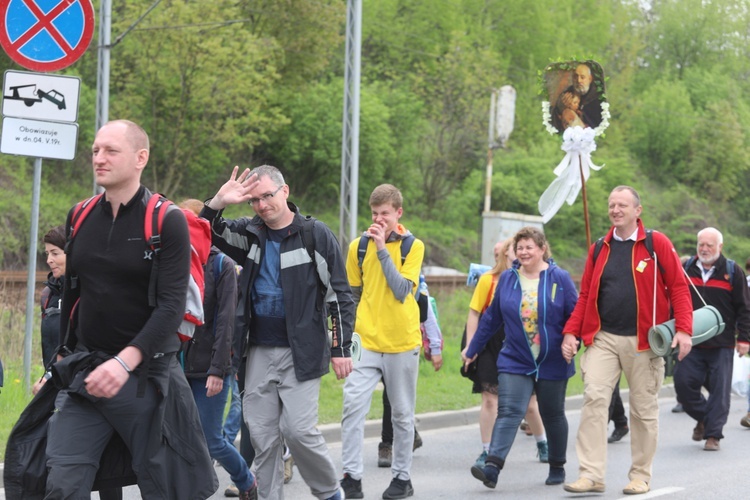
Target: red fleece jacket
672 289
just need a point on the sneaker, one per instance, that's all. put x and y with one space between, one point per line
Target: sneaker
524 425
336 496
250 493
288 469
618 434
352 487
385 454
678 408
556 476
231 491
745 422
480 459
487 474
399 488
542 451
417 440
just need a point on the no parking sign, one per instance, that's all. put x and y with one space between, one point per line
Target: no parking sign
46 35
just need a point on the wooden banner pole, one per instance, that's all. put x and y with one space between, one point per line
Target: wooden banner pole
585 204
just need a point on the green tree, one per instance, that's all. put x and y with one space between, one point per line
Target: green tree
309 32
661 128
688 33
718 154
202 104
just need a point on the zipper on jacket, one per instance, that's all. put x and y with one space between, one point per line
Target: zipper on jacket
535 371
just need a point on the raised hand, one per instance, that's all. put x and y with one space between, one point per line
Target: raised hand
236 190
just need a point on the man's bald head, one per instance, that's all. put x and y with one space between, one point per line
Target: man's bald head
135 135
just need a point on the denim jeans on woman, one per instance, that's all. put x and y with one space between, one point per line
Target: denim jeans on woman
211 412
514 392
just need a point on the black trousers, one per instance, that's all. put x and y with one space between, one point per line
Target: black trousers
712 369
617 410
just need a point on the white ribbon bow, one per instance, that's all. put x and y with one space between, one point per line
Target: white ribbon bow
578 144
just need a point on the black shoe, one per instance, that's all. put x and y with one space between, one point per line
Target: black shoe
398 489
618 434
487 474
352 487
556 476
678 408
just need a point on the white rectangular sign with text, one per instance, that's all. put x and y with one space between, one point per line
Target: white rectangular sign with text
39 139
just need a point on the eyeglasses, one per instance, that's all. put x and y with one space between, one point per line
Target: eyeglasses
264 198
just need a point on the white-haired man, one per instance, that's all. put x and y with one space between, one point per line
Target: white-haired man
721 284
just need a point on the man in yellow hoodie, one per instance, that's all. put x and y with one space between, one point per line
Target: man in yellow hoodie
384 275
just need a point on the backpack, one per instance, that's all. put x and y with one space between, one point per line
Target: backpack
406 244
200 245
431 304
308 223
218 261
730 268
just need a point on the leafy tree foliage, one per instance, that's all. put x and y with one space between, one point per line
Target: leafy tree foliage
245 82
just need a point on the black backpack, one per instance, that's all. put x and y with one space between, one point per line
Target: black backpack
406 243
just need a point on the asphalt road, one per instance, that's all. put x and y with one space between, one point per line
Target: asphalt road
441 467
682 469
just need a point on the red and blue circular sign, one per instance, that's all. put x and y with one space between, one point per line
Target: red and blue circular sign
46 35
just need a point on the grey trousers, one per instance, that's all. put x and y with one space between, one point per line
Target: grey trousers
276 404
400 372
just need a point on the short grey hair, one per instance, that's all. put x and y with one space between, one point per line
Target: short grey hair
714 231
271 172
636 196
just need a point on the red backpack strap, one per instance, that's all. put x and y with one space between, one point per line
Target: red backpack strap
80 212
156 210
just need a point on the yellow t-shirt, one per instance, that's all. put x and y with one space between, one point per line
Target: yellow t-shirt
384 323
479 299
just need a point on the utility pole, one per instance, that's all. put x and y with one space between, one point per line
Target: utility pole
350 136
102 69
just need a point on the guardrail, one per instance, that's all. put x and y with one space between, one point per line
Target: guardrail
16 278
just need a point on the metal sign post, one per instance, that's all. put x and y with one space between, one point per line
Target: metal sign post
41 35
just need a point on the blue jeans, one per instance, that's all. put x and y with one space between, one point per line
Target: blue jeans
234 417
513 394
211 412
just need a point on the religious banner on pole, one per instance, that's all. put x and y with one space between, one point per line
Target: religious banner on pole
577 109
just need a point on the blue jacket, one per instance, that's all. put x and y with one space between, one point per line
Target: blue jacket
557 297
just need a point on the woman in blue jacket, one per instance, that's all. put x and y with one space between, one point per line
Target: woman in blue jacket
532 302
